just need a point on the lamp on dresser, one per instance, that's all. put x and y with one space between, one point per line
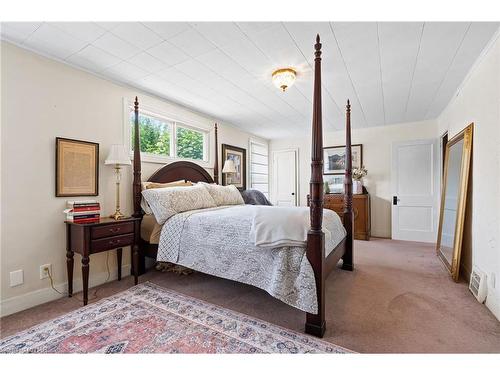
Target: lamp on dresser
117 157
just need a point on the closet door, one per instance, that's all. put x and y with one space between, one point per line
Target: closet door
285 178
415 180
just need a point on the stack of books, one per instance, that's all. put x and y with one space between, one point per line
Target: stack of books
88 211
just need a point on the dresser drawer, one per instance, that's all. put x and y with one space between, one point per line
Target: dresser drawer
111 243
111 230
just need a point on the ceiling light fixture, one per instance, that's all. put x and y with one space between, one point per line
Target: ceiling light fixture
284 78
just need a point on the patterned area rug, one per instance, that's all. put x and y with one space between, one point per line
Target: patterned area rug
150 319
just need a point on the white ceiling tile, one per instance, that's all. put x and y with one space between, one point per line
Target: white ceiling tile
147 62
477 37
93 58
54 41
116 46
86 31
399 45
219 33
249 56
168 53
358 43
18 31
167 29
137 34
191 43
440 42
280 48
255 27
108 25
126 71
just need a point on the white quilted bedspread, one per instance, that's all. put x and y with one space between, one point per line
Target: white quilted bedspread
217 241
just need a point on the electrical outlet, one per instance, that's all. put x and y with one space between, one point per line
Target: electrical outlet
44 270
16 278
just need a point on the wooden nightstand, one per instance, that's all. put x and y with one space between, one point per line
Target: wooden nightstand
91 238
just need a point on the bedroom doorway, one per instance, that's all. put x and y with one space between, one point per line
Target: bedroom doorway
285 190
415 190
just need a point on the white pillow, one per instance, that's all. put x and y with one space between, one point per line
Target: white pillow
166 202
148 185
224 195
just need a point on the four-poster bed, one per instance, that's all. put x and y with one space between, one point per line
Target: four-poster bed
322 262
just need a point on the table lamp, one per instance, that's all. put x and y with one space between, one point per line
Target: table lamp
117 157
229 168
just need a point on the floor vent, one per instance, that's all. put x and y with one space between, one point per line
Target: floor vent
477 284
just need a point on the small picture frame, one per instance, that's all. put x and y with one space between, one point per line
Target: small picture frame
334 158
334 183
77 168
239 157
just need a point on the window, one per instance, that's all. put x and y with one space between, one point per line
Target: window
190 143
259 167
164 138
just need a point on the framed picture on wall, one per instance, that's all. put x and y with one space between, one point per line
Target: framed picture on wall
334 158
334 183
239 157
77 168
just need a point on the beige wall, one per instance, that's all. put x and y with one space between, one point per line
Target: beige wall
43 99
377 143
478 102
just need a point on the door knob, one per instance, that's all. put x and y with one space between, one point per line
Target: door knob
293 193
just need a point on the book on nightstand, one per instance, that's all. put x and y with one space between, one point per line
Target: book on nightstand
79 212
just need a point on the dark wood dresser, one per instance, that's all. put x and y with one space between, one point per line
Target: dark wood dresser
361 210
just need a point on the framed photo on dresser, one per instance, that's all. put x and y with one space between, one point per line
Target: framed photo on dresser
77 168
239 157
334 158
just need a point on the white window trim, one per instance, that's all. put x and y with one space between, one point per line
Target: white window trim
176 121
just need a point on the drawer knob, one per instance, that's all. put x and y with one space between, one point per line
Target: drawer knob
114 230
114 242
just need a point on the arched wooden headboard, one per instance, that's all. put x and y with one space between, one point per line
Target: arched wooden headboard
181 170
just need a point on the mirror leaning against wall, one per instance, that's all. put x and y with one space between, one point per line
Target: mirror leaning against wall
454 199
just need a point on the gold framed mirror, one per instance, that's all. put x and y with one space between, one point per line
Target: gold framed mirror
454 199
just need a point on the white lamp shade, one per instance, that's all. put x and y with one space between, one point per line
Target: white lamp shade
229 167
117 155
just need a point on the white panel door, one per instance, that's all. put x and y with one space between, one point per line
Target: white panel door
415 180
285 178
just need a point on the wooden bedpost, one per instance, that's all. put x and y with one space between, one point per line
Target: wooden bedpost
315 323
137 163
216 163
347 263
138 265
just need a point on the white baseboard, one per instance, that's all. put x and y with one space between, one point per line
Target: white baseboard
493 304
37 297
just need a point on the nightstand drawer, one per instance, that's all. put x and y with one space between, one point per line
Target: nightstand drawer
111 230
111 243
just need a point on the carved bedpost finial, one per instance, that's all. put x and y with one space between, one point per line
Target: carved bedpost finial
136 104
317 47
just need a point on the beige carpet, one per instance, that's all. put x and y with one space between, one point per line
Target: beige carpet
399 299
